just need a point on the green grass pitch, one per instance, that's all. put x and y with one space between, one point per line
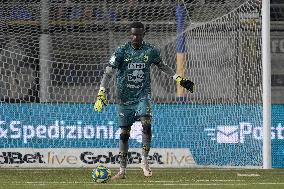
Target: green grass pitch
162 178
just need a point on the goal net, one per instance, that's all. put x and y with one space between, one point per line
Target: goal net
53 55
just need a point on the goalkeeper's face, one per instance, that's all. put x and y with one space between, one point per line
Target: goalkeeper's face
137 35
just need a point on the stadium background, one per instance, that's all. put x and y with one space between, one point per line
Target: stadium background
25 20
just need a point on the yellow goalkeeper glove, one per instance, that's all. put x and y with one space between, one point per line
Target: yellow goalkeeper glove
101 100
185 83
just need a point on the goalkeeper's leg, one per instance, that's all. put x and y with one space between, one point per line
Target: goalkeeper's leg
126 119
123 150
146 140
144 111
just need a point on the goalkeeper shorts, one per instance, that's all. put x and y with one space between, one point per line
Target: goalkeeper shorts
128 114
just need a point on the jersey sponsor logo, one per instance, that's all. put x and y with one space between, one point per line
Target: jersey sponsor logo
136 76
136 66
134 86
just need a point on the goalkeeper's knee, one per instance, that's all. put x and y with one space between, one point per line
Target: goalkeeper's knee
146 125
124 134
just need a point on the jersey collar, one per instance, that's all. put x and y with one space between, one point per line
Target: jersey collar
139 47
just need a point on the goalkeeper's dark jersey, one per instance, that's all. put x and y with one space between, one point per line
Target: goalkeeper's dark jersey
133 71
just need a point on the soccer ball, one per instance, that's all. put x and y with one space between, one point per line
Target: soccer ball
101 174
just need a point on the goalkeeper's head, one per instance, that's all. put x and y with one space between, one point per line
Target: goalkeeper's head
137 32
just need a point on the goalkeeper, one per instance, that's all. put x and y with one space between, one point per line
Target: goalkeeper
132 62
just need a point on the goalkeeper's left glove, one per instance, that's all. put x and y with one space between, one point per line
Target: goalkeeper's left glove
101 100
185 83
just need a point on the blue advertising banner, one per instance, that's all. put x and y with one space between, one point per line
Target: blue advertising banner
218 135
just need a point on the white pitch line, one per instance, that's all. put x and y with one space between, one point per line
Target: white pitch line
166 181
206 180
248 175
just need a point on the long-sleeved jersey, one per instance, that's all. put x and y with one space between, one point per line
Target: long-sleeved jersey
133 78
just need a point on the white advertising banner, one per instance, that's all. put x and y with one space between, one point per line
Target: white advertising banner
90 157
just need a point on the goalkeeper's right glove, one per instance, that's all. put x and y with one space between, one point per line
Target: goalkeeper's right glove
101 100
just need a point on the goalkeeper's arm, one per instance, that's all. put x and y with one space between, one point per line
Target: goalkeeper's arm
186 83
101 97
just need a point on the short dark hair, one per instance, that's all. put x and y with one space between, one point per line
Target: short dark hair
137 25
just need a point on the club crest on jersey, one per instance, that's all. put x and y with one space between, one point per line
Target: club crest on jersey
146 58
127 60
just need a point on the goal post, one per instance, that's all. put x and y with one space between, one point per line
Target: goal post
266 77
53 55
